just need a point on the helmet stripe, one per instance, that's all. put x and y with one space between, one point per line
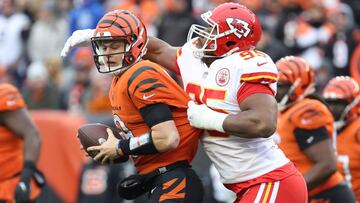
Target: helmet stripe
298 66
136 22
128 24
292 74
112 22
285 74
340 88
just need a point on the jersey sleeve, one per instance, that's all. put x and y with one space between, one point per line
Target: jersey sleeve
178 54
150 85
10 98
248 89
311 115
257 68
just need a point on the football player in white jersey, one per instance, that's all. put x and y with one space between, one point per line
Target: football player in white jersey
233 86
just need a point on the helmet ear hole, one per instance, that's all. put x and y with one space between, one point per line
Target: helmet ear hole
133 38
230 43
131 58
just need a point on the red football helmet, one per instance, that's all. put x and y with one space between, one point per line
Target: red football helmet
297 73
343 89
231 28
123 27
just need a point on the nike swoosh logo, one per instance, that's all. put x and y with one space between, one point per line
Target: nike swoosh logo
10 102
260 64
310 139
149 96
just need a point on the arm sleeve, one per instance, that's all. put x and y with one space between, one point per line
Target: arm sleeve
248 89
156 113
307 138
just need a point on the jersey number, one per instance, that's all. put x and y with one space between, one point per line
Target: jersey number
121 125
201 95
246 55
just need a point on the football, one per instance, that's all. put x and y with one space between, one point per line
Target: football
95 134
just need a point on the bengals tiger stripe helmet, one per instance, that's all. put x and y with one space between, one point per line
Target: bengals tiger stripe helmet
119 26
298 74
343 89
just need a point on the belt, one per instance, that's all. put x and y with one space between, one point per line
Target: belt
164 169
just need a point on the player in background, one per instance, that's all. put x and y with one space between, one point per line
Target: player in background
20 143
149 108
342 95
234 86
306 132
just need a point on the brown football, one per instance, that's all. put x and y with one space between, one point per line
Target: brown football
94 134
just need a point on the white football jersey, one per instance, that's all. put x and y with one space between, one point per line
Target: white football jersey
237 159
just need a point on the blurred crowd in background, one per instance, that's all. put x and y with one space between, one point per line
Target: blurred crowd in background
32 33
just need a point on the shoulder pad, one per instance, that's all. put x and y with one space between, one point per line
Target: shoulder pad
10 98
310 114
256 67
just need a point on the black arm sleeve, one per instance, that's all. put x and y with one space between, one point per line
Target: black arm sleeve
156 113
307 138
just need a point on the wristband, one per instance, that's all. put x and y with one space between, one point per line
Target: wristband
142 145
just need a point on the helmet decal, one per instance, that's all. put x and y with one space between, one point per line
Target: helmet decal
242 27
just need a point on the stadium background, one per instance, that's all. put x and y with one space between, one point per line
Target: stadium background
63 94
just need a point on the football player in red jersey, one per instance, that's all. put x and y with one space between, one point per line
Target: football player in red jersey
342 94
306 132
19 148
222 70
150 110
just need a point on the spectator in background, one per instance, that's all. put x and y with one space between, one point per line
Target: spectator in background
96 100
341 44
98 183
147 11
13 25
273 47
79 83
175 23
311 34
39 91
48 34
85 15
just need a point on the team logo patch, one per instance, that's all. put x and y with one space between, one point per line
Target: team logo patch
242 27
222 77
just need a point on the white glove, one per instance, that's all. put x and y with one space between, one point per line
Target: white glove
201 116
79 38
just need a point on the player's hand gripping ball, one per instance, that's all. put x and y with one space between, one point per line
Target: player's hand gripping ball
94 134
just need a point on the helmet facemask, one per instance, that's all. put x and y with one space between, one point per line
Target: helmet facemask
342 110
342 96
290 96
112 62
204 39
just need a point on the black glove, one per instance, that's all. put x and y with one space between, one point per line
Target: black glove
22 189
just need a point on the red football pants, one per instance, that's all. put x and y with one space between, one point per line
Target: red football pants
290 189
